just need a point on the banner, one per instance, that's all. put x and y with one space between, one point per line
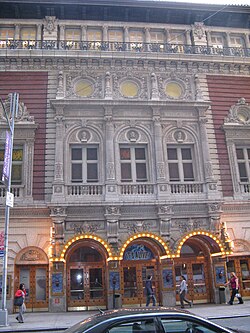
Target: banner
1 244
7 159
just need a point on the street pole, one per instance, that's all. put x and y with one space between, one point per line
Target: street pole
14 98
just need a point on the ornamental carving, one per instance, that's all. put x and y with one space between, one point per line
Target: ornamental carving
239 113
85 228
199 29
22 112
188 225
135 227
50 23
31 255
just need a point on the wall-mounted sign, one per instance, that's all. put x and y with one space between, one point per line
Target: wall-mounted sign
57 283
220 275
167 275
138 252
114 280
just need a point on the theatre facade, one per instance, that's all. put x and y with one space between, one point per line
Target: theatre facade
131 151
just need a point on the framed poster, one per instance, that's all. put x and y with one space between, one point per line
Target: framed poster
8 286
114 280
167 275
57 283
220 275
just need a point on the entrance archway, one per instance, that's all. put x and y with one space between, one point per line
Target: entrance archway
86 271
32 269
195 264
140 259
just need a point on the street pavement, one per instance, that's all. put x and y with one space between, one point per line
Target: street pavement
46 321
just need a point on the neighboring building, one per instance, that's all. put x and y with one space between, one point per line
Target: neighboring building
131 150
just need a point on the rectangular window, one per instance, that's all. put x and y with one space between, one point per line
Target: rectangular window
180 164
72 34
84 164
94 35
28 33
217 41
136 36
133 164
7 33
17 165
116 36
243 159
156 37
177 37
236 41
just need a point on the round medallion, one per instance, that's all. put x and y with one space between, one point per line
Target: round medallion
84 88
129 89
173 90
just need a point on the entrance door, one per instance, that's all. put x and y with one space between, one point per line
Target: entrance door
86 287
133 277
197 279
35 279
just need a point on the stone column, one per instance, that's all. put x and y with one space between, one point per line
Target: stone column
112 216
160 174
58 183
17 32
111 187
208 167
188 38
209 41
247 43
84 33
126 38
147 39
165 213
39 32
105 33
228 42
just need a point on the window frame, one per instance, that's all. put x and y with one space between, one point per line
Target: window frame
133 163
180 163
84 163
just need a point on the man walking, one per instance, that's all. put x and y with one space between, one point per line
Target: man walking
149 291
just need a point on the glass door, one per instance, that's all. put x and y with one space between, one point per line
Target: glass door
35 279
134 276
86 287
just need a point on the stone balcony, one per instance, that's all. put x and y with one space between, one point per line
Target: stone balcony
163 48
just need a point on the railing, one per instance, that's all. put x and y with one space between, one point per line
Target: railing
136 189
245 188
85 190
124 47
17 191
186 188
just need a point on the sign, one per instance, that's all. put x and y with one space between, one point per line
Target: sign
1 244
10 199
167 275
7 159
57 283
138 252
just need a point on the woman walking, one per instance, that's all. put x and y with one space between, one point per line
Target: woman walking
21 292
183 291
234 284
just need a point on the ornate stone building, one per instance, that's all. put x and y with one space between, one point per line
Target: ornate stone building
131 150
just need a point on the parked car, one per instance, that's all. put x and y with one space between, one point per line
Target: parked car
148 320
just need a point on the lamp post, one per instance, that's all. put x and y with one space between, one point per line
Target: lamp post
6 179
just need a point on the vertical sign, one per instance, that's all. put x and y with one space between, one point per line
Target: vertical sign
1 244
7 161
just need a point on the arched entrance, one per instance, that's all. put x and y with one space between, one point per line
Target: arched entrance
140 259
195 264
32 269
86 271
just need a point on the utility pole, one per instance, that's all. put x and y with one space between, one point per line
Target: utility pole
6 179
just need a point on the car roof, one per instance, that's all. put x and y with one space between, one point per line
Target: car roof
142 310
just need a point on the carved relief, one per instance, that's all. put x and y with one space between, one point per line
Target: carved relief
138 226
85 228
22 112
50 23
239 113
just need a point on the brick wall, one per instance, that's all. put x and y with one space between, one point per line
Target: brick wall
32 89
224 91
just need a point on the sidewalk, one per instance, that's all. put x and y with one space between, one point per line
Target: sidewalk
48 321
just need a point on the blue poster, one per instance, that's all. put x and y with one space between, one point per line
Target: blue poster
167 275
220 275
57 282
114 280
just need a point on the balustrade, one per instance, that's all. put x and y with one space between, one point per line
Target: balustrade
125 47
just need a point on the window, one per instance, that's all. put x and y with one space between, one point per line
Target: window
145 325
136 37
72 34
7 33
84 164
236 41
94 35
243 159
177 37
180 164
184 325
217 41
17 165
133 164
156 37
28 34
116 36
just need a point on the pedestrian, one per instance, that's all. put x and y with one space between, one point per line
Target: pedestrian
234 284
150 291
183 291
21 292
